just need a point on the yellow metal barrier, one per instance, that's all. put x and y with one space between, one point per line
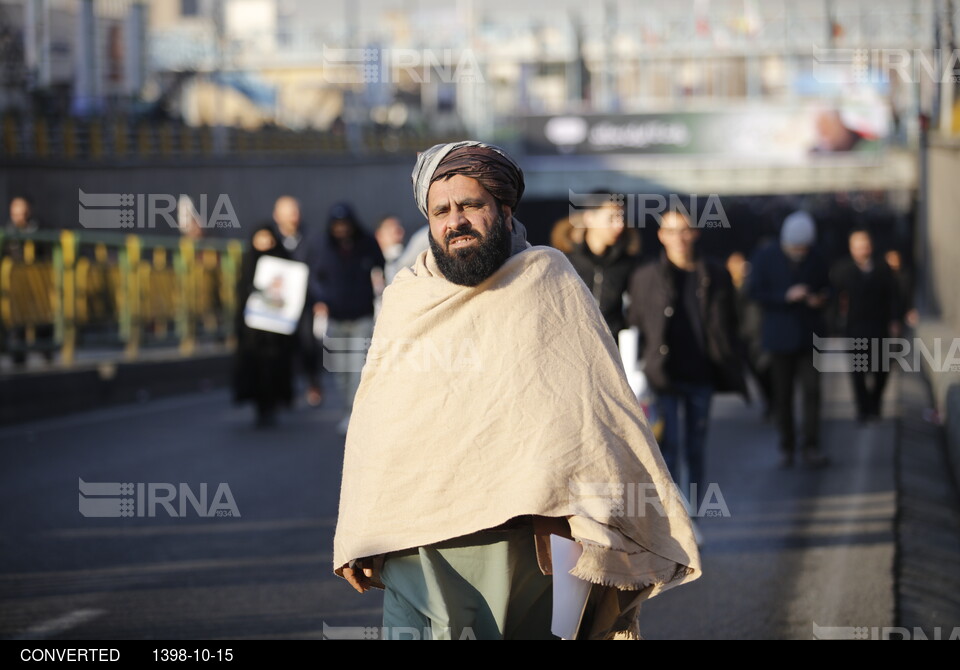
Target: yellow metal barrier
6 307
70 139
96 140
208 291
166 140
83 290
29 294
186 273
186 141
77 288
206 140
68 243
143 141
120 143
9 136
41 138
132 296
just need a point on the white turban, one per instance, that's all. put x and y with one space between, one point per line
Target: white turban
490 165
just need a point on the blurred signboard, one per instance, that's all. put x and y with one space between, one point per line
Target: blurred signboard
761 133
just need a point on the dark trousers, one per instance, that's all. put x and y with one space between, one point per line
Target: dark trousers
308 349
695 400
787 369
764 377
869 395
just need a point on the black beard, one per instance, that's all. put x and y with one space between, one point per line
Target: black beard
469 267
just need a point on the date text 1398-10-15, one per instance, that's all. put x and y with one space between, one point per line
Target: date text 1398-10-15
205 655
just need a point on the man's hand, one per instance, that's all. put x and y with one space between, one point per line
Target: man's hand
362 576
797 293
816 301
321 309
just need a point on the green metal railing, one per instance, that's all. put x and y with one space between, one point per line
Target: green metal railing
60 291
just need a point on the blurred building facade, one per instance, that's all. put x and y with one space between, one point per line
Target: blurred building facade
301 64
72 56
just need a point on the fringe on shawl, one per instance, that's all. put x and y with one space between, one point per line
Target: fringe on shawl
627 572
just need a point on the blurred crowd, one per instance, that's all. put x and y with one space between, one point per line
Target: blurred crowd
744 323
348 268
741 322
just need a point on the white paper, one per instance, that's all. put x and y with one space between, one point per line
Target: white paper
280 291
629 343
569 593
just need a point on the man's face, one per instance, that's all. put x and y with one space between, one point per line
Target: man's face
605 223
469 237
341 229
893 260
737 267
861 248
287 215
796 252
19 212
676 235
390 233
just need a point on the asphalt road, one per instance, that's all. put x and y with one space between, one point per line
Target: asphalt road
799 549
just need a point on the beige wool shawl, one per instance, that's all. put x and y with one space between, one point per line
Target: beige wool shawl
480 404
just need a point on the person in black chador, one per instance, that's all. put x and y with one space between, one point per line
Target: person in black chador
263 370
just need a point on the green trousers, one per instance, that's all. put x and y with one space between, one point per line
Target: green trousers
484 586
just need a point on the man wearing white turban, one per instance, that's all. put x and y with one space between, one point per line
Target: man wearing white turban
493 411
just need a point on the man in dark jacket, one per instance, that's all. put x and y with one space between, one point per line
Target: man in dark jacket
685 309
21 222
341 288
868 307
300 245
605 256
14 244
909 316
791 284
